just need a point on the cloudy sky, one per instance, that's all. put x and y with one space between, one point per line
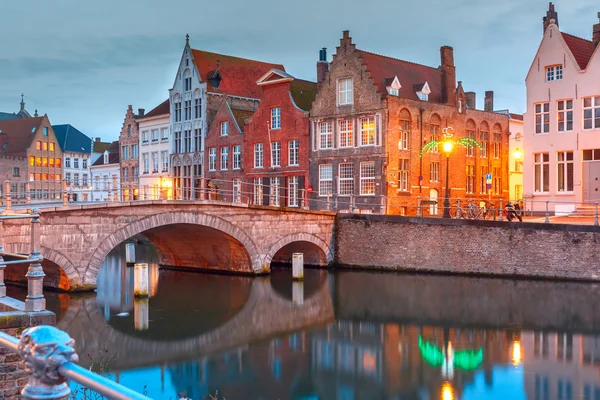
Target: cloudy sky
83 62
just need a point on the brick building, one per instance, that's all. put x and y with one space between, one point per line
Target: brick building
129 155
276 142
30 154
370 119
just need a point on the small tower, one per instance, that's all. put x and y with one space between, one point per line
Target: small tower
551 14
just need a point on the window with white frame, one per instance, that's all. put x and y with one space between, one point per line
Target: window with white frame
591 112
423 96
275 189
294 153
134 150
497 180
76 162
237 190
275 118
434 172
470 170
165 160
542 118
565 115
177 143
541 172
497 144
554 73
237 157
68 178
197 107
470 148
293 192
145 163
164 134
345 95
346 133
403 174
155 162
178 111
187 141
258 155
276 154
84 162
212 159
367 131
68 162
367 178
484 139
84 180
404 136
76 179
565 171
154 135
325 179
434 130
591 155
325 135
224 128
257 192
197 139
224 158
187 83
346 179
145 137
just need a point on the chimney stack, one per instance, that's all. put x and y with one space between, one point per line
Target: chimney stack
448 75
488 104
471 99
141 112
596 34
97 140
551 14
322 65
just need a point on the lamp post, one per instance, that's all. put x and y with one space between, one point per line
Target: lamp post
448 132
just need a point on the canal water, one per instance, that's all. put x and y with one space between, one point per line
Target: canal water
343 335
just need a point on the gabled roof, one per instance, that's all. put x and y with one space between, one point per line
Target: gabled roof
408 73
161 109
241 116
582 49
71 139
16 135
274 75
238 75
303 93
113 155
100 147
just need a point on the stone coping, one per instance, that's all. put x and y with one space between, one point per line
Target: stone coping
12 315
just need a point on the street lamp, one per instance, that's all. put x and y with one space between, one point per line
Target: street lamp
448 133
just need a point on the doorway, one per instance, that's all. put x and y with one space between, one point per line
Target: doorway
591 181
433 197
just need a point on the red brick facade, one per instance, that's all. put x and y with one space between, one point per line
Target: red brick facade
129 154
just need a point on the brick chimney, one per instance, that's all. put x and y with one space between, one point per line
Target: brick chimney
97 140
550 14
322 65
141 112
488 103
471 98
596 34
448 75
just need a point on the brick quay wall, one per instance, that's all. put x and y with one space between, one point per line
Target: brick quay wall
554 251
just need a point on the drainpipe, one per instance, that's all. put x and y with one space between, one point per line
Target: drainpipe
421 109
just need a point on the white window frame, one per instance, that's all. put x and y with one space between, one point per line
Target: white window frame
145 163
325 135
345 91
564 115
212 159
294 153
276 118
258 155
165 160
593 108
224 128
470 179
346 133
275 191
372 128
565 163
542 118
554 73
470 149
275 154
325 179
541 163
154 135
258 191
224 164
367 178
346 179
237 190
497 145
293 182
237 157
404 175
484 141
434 172
155 162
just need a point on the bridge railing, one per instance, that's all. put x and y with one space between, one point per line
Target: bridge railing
51 361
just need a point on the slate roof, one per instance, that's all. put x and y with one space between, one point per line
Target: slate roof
100 147
518 117
304 93
409 74
239 75
582 49
4 116
113 155
161 109
241 116
71 139
16 135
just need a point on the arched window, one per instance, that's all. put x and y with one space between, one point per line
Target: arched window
129 130
484 139
435 129
497 141
404 124
177 107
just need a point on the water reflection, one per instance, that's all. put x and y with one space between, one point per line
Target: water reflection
341 336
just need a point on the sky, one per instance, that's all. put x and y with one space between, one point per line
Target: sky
84 62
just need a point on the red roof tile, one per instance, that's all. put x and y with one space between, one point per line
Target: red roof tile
239 75
18 135
161 109
582 49
383 69
518 117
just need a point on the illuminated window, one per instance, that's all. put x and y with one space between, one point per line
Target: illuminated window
367 131
346 133
403 175
38 145
32 161
565 115
404 139
45 146
542 118
325 135
367 178
470 171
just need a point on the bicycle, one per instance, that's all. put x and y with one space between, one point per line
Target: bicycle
471 211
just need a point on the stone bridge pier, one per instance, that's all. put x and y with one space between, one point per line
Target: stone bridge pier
205 235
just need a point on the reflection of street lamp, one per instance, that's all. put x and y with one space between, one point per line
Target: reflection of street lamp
516 353
447 391
448 146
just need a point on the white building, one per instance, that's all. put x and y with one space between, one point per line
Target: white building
77 160
154 159
105 174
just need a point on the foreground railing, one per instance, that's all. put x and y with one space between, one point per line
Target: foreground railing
50 361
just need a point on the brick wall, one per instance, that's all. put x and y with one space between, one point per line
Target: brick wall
13 377
129 136
468 247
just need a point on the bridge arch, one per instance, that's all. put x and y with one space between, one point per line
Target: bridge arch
323 255
169 219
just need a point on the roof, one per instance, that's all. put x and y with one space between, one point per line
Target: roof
518 117
4 116
303 93
113 155
100 147
582 49
241 116
238 75
409 74
16 135
161 109
71 139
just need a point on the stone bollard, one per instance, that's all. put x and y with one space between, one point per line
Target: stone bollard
140 280
298 266
130 253
140 314
298 293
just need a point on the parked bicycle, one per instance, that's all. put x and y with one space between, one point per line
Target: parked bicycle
473 210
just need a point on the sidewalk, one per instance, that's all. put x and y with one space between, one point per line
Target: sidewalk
562 219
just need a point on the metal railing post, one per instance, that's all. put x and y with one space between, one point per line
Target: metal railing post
501 211
115 189
418 206
64 193
596 217
458 210
27 194
547 219
35 274
7 199
328 202
2 266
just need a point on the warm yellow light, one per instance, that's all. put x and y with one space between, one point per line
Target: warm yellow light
448 146
447 391
516 354
166 183
518 154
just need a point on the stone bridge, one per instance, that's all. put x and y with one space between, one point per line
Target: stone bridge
218 236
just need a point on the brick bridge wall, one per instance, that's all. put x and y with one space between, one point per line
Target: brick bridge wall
205 234
468 247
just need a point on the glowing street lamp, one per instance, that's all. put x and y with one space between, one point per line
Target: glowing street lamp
517 154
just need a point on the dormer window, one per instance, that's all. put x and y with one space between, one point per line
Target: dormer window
554 73
423 96
393 86
106 157
423 91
